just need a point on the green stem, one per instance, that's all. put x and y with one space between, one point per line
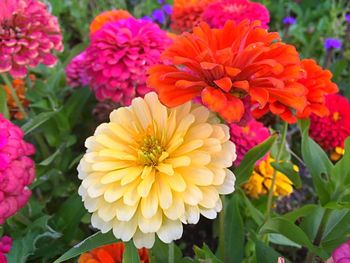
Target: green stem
171 256
221 249
311 255
278 157
14 95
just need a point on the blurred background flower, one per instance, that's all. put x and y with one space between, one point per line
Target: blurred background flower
5 247
76 75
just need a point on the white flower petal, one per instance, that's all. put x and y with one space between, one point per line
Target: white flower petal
170 230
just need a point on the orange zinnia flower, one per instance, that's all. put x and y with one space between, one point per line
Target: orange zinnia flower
222 66
318 83
19 86
108 16
110 254
187 14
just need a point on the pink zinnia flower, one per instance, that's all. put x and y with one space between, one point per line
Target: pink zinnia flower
217 13
341 254
76 73
16 169
28 35
119 56
247 137
5 246
331 131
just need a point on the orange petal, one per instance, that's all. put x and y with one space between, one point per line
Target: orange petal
233 110
225 84
215 99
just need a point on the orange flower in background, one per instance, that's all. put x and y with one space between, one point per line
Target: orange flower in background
108 16
19 86
187 14
110 254
319 84
222 66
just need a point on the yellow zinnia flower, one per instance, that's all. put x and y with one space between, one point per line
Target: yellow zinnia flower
152 168
260 181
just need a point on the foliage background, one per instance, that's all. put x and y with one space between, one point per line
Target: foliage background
61 119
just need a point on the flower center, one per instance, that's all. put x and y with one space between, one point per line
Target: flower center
336 116
150 150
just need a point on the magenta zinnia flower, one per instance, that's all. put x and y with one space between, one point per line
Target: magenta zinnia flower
217 13
16 169
76 73
342 253
119 56
5 247
28 35
247 137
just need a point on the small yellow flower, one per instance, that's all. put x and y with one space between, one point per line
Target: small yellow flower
152 169
260 181
337 153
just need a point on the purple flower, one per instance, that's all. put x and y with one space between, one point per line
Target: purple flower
159 16
332 43
347 18
342 253
167 9
289 20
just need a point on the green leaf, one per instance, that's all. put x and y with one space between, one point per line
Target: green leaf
341 171
3 103
96 240
317 162
245 169
287 169
206 254
234 231
38 120
130 253
264 253
301 212
160 252
288 229
282 240
76 104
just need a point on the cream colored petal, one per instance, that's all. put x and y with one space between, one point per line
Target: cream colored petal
170 230
96 190
98 223
192 214
219 174
228 185
143 240
142 112
149 204
109 166
188 146
226 157
146 184
114 192
120 134
134 173
208 213
176 182
150 225
120 174
125 212
92 204
159 111
171 127
164 192
192 195
201 113
165 168
110 143
197 175
184 125
199 131
211 145
181 161
119 155
177 208
131 197
124 230
182 111
174 143
210 197
199 158
221 132
106 212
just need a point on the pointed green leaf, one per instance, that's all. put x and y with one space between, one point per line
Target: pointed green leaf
130 253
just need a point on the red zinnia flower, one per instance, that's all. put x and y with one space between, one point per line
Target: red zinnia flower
110 254
222 66
331 131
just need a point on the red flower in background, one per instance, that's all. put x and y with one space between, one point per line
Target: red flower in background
222 66
106 17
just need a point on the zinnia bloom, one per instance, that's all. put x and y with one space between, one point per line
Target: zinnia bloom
319 84
76 72
217 13
5 247
246 137
106 17
19 86
331 131
152 168
187 14
341 254
222 66
28 35
16 169
119 56
111 254
260 181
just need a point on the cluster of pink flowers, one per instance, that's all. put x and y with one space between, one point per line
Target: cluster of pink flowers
246 137
5 247
217 13
29 34
119 56
17 170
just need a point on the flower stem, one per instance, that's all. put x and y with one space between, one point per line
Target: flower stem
311 255
14 95
221 249
278 157
171 255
